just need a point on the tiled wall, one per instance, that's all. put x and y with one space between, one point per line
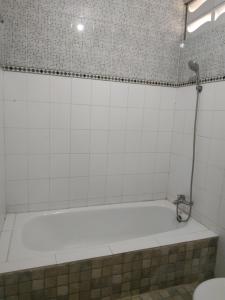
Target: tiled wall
209 180
76 142
2 166
135 39
207 46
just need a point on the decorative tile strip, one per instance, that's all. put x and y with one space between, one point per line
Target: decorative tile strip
203 80
115 276
87 76
108 78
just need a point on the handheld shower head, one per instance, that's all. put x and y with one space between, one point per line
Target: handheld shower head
194 66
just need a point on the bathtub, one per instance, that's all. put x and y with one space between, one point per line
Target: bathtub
53 237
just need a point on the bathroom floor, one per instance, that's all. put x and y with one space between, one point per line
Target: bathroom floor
179 292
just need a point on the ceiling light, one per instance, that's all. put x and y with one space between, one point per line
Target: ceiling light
219 11
198 23
194 5
80 27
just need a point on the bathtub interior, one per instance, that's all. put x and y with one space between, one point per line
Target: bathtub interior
92 227
47 238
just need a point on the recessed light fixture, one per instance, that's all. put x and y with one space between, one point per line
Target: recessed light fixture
194 5
219 11
80 27
198 23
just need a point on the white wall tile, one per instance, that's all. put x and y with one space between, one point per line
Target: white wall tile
98 164
116 142
119 94
117 118
116 163
59 190
219 90
39 141
149 140
15 86
78 188
218 125
16 141
81 91
114 186
60 141
80 117
167 98
145 186
130 184
60 116
164 142
79 165
205 119
132 161
162 162
151 120
16 192
147 163
80 141
136 95
216 152
38 115
208 93
189 122
38 191
98 141
39 166
16 114
165 120
101 93
16 166
133 141
160 181
97 187
59 165
134 118
99 118
38 88
153 97
60 89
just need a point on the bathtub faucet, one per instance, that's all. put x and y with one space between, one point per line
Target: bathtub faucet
181 200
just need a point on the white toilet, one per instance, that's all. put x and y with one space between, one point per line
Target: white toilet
213 289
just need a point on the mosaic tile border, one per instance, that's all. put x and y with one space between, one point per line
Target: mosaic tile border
108 78
114 276
204 80
86 76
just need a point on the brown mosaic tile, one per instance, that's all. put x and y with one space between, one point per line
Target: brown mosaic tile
123 276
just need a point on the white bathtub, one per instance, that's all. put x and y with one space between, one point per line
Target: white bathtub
73 234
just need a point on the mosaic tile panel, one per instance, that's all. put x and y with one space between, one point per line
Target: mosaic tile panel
117 276
179 292
134 39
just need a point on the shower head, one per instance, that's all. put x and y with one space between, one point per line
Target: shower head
194 66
